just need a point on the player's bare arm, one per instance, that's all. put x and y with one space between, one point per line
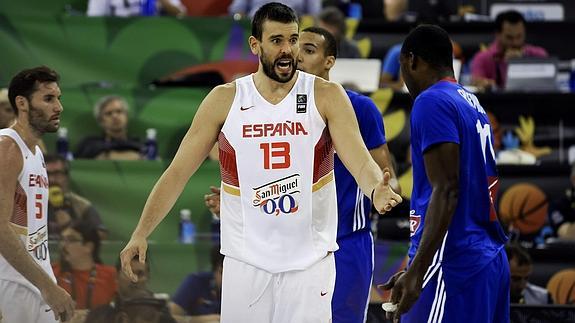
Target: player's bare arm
194 148
382 157
11 248
337 112
442 169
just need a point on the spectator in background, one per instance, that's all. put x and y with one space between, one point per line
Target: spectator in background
131 292
7 115
520 268
128 289
127 8
200 293
240 8
139 309
333 20
65 206
563 215
80 271
489 67
111 112
396 10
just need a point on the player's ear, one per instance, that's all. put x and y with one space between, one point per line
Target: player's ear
21 103
254 45
329 62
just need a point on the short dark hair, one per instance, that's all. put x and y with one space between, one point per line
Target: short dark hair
273 11
333 17
26 82
510 16
89 233
432 44
53 158
330 45
515 251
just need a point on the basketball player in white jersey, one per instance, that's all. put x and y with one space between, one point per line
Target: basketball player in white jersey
276 131
28 290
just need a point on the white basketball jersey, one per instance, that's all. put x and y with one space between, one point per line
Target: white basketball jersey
278 201
30 215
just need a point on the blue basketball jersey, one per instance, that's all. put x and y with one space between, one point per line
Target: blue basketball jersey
352 204
447 113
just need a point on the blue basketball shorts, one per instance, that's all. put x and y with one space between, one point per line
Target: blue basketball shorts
353 277
482 298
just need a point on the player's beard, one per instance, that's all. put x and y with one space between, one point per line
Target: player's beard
39 121
269 68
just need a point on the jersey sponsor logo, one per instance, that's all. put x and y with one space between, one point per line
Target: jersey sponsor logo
242 108
38 243
35 180
414 222
278 197
273 129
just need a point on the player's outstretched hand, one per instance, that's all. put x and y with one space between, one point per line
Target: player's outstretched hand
213 200
136 246
384 198
60 302
405 290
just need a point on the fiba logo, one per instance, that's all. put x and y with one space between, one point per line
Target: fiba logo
278 197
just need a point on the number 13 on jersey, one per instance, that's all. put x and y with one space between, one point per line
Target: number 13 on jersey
276 155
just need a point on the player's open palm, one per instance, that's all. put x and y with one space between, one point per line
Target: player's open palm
60 302
136 246
384 198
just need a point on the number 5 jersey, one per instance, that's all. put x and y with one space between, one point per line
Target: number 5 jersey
29 215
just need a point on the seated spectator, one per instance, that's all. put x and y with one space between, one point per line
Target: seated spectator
520 268
138 309
65 206
129 291
200 294
7 115
127 8
80 271
489 67
562 217
127 288
562 287
333 20
241 8
111 112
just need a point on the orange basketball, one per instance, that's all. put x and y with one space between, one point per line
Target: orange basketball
524 206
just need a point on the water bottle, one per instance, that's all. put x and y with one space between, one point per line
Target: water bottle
187 227
151 145
62 145
148 7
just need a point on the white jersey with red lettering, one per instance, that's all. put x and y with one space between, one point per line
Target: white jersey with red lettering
30 212
278 200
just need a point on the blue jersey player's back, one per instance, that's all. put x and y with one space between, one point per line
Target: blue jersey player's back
446 112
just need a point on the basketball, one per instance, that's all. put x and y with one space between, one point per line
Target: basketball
524 206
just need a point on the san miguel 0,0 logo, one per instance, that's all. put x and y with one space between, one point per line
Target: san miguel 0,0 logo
278 197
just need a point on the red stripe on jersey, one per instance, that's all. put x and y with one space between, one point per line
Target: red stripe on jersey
20 212
228 164
323 156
